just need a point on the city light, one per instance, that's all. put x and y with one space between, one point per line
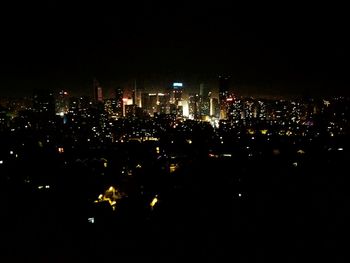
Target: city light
154 202
177 84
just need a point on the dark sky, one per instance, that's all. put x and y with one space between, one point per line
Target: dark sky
289 49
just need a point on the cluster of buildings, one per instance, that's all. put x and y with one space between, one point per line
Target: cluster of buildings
175 102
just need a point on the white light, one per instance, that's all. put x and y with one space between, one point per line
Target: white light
40 187
340 149
47 186
1 161
177 84
91 220
11 152
240 195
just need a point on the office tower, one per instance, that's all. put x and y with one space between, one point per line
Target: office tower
204 103
97 91
145 102
62 103
177 91
215 108
193 106
119 101
163 103
204 90
224 86
134 94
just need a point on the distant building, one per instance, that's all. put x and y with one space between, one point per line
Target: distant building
118 93
62 103
177 91
98 95
215 108
44 103
130 110
224 87
204 103
163 103
149 102
193 106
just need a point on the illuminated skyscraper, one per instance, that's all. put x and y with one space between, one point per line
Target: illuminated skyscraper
224 86
215 108
177 109
62 103
119 101
177 91
97 91
204 103
193 106
163 103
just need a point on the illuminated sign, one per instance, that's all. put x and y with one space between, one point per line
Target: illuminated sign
177 84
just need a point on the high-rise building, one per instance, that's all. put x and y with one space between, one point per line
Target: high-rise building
119 101
224 87
204 103
215 108
98 95
163 103
193 105
62 103
149 102
204 90
177 91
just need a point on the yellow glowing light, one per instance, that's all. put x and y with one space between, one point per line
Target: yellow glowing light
100 196
111 188
138 166
301 151
189 141
172 167
264 132
105 164
61 150
157 150
154 202
251 131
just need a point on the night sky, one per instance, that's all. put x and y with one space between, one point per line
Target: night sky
267 49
